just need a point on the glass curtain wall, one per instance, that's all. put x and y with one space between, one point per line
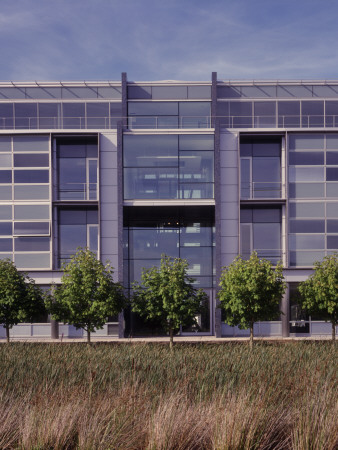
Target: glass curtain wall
313 197
77 160
187 233
260 168
168 166
261 231
25 210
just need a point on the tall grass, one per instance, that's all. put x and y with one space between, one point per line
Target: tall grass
204 396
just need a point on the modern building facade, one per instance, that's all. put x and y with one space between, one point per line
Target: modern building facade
198 170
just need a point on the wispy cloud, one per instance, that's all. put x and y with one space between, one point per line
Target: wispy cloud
161 39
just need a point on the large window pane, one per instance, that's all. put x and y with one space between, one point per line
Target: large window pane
289 114
306 141
22 212
311 209
32 260
49 115
153 108
307 226
6 245
31 160
196 142
31 176
152 243
5 212
306 190
32 244
32 192
150 151
306 174
31 143
305 242
98 115
196 190
5 176
31 228
196 166
26 115
150 183
306 158
74 115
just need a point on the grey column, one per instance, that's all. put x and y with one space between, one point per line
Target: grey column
213 99
124 99
218 320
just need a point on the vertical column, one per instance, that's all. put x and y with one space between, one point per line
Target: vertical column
213 99
124 99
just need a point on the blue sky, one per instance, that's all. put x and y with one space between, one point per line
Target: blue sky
168 39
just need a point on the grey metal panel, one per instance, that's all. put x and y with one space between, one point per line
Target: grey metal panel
229 246
108 177
108 160
229 228
229 211
229 159
109 246
229 175
109 228
227 258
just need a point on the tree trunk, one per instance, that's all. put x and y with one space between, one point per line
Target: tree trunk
251 335
333 331
88 337
171 334
7 333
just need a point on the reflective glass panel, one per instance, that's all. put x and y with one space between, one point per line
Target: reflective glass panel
5 176
6 245
5 192
150 151
306 141
5 160
307 226
306 190
31 143
196 190
153 108
306 174
32 192
31 176
5 142
307 209
305 242
5 228
31 160
152 243
196 166
32 260
32 244
306 158
31 228
5 212
23 212
150 183
196 142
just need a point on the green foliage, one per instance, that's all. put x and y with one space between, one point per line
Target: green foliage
166 294
319 293
250 291
20 298
87 295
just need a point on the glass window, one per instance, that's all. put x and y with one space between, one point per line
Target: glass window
5 228
31 160
139 92
306 141
43 92
194 108
31 176
288 114
332 141
266 215
287 90
152 243
5 176
331 113
332 226
306 258
5 192
169 92
199 92
49 115
332 209
6 116
5 212
332 190
241 114
332 158
332 174
98 115
32 192
31 143
313 209
73 115
332 242
32 260
5 160
153 108
79 92
26 115
6 245
306 190
306 158
5 141
196 166
150 151
196 142
265 114
306 174
313 113
196 190
109 92
149 183
228 92
31 228
308 241
307 226
24 212
32 244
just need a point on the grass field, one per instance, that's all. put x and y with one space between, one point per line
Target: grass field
200 396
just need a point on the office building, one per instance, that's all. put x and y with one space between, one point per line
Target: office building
198 170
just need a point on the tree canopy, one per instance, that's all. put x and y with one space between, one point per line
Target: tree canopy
250 291
166 293
319 293
20 298
87 294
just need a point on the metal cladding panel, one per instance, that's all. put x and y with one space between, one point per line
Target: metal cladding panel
109 199
229 196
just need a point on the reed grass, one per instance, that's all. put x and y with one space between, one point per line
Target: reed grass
141 396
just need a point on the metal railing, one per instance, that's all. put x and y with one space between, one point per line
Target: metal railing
257 189
77 191
160 122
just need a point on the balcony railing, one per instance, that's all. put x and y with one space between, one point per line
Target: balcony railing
77 191
272 255
261 190
155 122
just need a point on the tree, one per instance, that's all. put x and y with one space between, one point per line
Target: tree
166 294
20 298
250 291
319 293
87 294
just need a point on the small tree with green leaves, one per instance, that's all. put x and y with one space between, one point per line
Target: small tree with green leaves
250 291
87 294
166 294
20 298
319 293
